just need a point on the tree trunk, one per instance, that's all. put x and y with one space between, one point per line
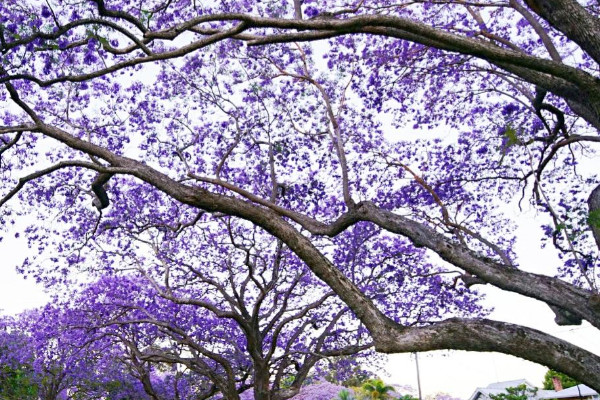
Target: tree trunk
261 381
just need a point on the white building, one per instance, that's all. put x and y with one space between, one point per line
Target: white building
580 392
575 393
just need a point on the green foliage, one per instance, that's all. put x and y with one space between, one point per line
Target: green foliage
377 389
521 392
406 397
357 379
360 393
286 382
146 17
511 137
16 384
593 220
345 395
565 380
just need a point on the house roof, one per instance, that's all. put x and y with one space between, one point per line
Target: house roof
485 391
507 384
575 391
500 387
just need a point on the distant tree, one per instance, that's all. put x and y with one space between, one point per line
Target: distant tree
42 358
345 394
16 384
33 341
411 397
377 389
437 396
521 392
16 376
243 312
346 371
565 380
319 391
234 305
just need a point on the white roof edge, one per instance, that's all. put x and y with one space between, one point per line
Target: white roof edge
542 394
511 383
573 391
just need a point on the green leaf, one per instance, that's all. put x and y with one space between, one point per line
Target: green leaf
103 41
146 16
593 218
511 135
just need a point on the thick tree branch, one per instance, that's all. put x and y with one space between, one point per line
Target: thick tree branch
46 171
549 290
572 19
389 336
131 62
487 335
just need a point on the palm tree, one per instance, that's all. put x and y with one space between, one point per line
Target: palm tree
345 395
377 389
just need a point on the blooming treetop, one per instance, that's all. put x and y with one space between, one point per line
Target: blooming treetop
240 310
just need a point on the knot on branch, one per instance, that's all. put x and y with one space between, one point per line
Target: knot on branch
101 201
470 280
594 302
564 317
539 106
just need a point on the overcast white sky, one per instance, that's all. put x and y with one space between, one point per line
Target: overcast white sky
16 293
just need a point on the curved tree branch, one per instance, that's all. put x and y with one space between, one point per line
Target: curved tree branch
487 335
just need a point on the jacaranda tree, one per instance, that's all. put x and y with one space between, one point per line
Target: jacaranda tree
56 362
240 311
64 353
345 130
